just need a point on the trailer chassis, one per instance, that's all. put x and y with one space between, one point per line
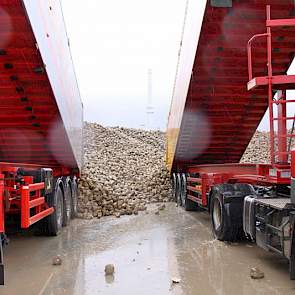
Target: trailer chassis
253 206
256 201
35 193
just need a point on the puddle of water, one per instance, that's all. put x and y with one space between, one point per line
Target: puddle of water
147 251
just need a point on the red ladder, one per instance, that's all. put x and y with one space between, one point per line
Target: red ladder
277 104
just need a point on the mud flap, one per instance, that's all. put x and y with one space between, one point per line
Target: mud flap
292 254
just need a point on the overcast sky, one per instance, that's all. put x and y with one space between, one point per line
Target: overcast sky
113 44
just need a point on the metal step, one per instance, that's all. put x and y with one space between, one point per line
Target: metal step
277 203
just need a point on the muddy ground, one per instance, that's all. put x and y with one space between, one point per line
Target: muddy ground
148 251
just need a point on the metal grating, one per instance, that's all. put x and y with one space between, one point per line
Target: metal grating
278 203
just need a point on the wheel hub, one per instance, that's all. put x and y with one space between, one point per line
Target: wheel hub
59 211
217 212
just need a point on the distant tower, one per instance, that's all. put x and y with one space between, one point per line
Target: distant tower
149 107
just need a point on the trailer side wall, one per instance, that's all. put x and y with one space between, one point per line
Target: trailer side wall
213 116
48 25
188 47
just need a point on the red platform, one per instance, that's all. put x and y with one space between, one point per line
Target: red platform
281 81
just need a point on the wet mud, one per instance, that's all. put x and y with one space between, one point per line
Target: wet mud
148 251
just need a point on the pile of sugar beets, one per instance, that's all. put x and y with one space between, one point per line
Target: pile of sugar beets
258 150
124 169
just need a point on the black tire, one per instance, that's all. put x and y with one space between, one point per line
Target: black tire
174 186
178 189
292 254
227 218
75 194
55 220
187 204
1 260
67 208
183 189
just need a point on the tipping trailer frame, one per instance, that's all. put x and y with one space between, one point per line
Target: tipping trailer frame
34 194
256 201
41 120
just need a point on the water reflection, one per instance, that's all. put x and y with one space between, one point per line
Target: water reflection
147 252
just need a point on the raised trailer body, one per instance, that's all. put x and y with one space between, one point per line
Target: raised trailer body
41 118
242 56
213 116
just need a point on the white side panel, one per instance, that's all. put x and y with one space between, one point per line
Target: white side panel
191 33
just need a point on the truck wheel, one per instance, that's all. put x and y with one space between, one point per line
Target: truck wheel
226 209
74 198
226 218
292 248
187 204
178 189
174 186
1 262
67 208
218 219
55 220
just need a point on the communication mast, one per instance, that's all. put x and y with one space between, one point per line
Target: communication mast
149 107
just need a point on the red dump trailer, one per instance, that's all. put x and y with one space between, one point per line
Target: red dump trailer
41 118
233 65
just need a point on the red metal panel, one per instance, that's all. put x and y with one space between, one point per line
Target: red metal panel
193 198
28 202
25 208
36 202
194 179
40 215
194 189
211 175
281 81
280 23
282 130
225 168
46 20
32 129
36 186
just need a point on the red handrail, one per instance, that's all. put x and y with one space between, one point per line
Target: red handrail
249 49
